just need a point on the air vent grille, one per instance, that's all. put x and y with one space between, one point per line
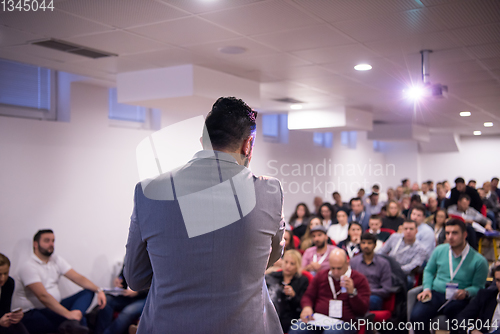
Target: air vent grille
289 100
73 48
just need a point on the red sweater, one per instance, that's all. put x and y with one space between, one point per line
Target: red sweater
319 294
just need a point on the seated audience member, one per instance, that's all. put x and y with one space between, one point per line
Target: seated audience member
130 306
306 241
430 184
400 192
39 295
461 188
485 308
339 205
406 250
447 188
472 184
299 219
348 288
391 195
374 205
9 321
494 186
425 193
317 203
490 195
300 215
455 272
425 233
358 213
351 243
469 214
362 194
287 287
438 223
326 213
338 232
375 268
432 204
405 205
383 212
441 198
289 244
393 218
375 224
414 201
491 204
316 258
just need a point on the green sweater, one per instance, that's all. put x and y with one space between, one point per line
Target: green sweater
471 276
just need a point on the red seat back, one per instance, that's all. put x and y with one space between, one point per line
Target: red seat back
388 230
308 275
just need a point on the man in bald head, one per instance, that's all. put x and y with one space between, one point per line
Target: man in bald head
339 293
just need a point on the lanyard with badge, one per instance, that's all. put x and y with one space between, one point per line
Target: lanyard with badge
335 305
452 288
321 260
395 250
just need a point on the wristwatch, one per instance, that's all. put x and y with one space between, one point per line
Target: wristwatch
354 293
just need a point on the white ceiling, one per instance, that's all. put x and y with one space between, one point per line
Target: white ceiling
302 49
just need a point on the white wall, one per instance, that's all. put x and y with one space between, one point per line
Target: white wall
76 178
336 169
479 159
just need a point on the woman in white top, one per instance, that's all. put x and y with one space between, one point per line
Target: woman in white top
338 232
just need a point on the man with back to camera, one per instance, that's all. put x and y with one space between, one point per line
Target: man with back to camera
212 282
455 272
40 297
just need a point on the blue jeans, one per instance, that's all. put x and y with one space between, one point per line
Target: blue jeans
130 310
376 303
41 321
302 328
424 312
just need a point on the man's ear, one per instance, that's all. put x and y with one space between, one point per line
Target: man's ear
247 146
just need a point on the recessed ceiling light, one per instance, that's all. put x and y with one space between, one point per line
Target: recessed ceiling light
488 124
363 67
465 113
296 106
477 133
232 50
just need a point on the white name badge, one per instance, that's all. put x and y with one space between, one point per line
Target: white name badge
335 310
451 289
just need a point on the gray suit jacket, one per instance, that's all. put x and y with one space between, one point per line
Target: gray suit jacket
206 279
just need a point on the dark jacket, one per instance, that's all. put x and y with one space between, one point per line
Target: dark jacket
480 307
287 308
475 199
6 297
392 222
